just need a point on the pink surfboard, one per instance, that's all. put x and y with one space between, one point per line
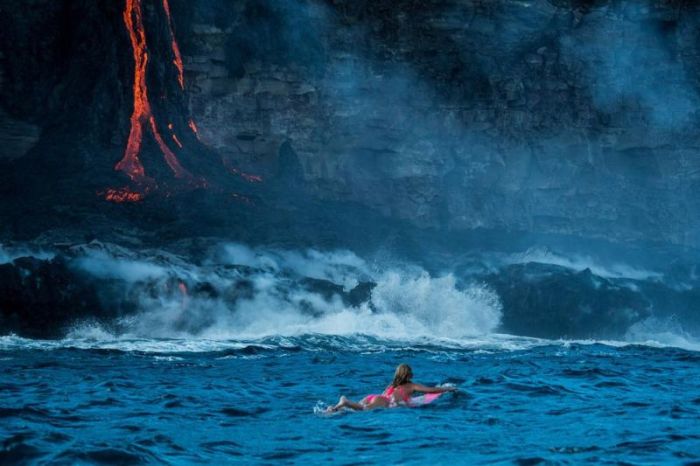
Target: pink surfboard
424 399
416 401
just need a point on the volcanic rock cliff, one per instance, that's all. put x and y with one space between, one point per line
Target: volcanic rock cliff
561 116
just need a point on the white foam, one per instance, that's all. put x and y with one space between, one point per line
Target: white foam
357 343
661 333
408 306
399 308
406 303
434 306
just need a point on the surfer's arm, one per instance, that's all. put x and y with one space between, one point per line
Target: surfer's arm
425 389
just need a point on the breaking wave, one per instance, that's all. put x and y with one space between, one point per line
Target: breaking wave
235 293
244 293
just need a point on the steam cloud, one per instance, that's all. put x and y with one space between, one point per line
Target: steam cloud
240 292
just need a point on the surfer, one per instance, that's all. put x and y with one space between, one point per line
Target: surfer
399 391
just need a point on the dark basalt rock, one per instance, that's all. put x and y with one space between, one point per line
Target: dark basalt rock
42 298
95 282
354 297
550 301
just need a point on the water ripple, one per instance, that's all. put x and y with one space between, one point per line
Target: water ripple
551 404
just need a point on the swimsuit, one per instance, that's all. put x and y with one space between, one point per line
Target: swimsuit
387 395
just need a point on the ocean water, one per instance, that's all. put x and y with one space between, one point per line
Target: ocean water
194 401
227 355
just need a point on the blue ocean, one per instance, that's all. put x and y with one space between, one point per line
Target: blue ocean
519 402
232 358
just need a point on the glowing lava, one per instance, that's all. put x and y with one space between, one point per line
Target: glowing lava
247 176
183 290
143 119
122 195
177 61
142 116
193 127
174 136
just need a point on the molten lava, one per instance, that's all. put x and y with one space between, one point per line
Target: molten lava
122 195
142 116
174 136
177 61
193 127
143 119
250 178
183 290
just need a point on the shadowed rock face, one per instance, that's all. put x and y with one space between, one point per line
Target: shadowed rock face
41 298
16 136
44 298
564 117
68 86
545 301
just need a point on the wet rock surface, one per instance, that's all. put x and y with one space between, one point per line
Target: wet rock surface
42 298
202 287
550 301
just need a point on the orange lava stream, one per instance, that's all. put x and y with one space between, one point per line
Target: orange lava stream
142 114
122 195
130 163
174 136
247 176
176 50
170 157
193 127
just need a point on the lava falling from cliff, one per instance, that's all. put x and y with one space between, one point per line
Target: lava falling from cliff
142 118
177 60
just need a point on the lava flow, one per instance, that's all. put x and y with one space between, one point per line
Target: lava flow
177 61
177 141
122 195
142 117
194 129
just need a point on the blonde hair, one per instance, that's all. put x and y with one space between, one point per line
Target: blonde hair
402 375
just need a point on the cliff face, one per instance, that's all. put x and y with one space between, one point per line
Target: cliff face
573 117
567 117
94 114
